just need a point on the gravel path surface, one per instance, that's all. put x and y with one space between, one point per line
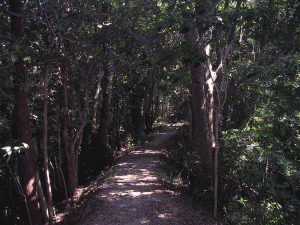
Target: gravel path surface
134 193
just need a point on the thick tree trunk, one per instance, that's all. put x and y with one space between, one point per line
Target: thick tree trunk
22 122
23 130
72 173
200 130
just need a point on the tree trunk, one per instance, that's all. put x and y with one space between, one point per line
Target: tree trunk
116 118
136 116
200 130
22 122
210 109
147 116
66 139
95 108
72 176
45 152
106 102
203 85
72 141
149 113
42 200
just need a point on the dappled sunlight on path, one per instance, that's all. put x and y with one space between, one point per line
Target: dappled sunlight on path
134 194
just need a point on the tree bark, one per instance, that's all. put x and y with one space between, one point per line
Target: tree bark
72 141
22 124
200 131
136 115
66 139
106 102
45 152
199 71
149 114
95 108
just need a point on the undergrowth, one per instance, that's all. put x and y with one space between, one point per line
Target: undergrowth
180 167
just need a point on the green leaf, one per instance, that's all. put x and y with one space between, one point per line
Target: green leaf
17 148
8 152
7 148
26 146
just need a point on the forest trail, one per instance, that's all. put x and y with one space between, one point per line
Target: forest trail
135 194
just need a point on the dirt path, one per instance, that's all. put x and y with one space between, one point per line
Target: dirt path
134 193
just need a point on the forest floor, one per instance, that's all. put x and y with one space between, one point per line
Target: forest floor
134 192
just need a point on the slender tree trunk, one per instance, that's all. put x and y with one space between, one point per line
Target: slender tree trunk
66 139
22 122
113 125
87 162
149 105
42 200
82 105
45 152
92 118
162 108
156 106
95 108
106 102
136 115
210 109
72 141
216 166
58 160
147 115
117 139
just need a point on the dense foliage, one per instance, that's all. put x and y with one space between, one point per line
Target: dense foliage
229 68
